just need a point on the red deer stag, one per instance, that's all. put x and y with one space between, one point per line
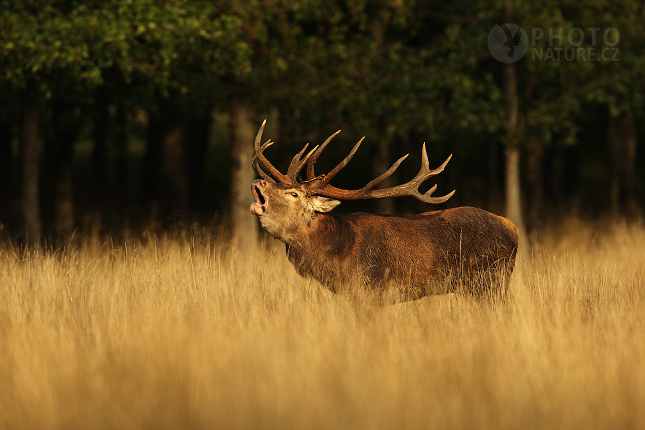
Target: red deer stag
463 249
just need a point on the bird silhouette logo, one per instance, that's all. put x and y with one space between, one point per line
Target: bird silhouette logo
508 43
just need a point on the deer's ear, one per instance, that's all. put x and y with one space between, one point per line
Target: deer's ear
323 204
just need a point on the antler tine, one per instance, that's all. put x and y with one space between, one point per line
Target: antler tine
412 188
261 172
385 175
408 189
342 164
258 137
312 161
294 163
257 168
298 163
266 166
436 200
426 168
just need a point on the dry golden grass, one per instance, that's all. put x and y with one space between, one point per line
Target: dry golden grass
177 335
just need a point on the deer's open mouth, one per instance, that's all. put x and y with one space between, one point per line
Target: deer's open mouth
259 206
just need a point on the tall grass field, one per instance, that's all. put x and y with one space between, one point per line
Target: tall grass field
188 334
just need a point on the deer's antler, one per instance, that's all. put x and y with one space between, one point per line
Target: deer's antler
262 165
321 187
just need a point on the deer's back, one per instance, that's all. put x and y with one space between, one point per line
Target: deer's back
433 244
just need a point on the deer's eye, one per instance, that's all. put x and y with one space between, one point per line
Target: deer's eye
294 194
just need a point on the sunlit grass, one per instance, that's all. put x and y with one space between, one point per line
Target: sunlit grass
186 334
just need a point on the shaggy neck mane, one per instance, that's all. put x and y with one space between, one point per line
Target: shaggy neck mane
329 236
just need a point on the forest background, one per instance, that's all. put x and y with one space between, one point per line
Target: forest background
139 116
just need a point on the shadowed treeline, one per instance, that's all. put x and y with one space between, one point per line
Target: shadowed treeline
129 116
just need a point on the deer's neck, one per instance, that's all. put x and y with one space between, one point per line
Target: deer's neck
320 249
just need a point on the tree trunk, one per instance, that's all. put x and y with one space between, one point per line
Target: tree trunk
513 196
622 138
493 198
59 149
378 22
453 172
535 181
6 162
151 167
99 172
243 223
176 192
64 201
30 206
121 165
196 137
628 140
614 146
61 163
380 164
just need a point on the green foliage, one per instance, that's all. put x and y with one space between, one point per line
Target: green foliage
429 70
44 41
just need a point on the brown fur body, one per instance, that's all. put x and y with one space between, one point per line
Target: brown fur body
430 253
418 253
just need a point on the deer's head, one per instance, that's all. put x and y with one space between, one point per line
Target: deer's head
285 209
285 205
